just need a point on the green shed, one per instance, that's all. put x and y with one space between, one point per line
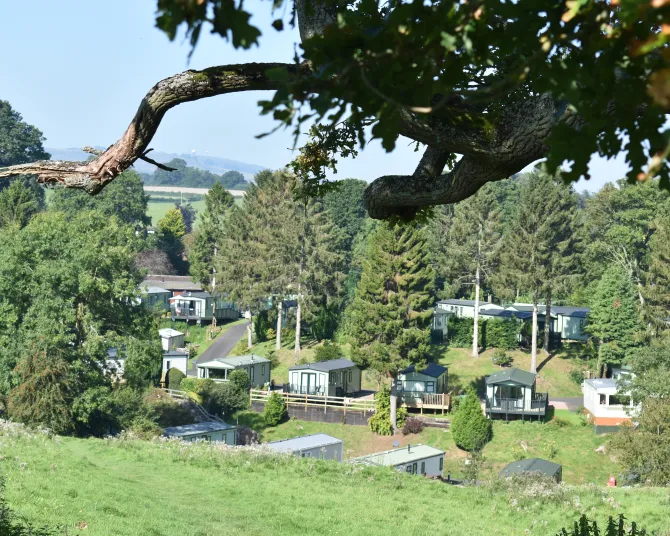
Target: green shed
533 465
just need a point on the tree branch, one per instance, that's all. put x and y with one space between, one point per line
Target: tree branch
188 86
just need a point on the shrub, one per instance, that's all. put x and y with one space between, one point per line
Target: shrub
558 422
501 358
275 410
550 449
502 333
470 428
461 330
174 378
240 378
586 527
380 422
199 386
584 418
145 428
247 436
577 376
166 411
412 426
227 398
241 348
270 334
327 352
262 324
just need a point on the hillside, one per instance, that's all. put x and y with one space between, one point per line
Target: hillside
215 164
129 487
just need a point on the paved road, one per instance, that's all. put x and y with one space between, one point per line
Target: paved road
221 346
567 403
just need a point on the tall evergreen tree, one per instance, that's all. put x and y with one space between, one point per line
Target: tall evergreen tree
614 318
470 251
218 203
391 313
538 251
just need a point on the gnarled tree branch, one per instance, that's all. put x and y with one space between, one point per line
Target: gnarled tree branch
188 86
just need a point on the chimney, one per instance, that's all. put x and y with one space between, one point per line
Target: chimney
408 451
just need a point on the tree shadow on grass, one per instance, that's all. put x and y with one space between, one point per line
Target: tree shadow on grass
458 385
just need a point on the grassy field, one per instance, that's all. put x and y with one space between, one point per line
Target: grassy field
156 210
112 487
198 336
553 370
573 446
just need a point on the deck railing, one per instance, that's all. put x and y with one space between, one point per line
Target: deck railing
316 401
538 401
424 400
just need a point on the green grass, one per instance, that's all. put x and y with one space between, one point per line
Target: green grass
198 336
156 211
553 370
574 444
136 488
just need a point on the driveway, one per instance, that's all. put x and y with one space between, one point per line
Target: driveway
221 346
571 403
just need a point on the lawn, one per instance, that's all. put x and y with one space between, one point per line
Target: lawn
198 336
553 370
573 446
156 210
111 487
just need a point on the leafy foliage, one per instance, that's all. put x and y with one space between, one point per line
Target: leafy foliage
413 425
18 203
470 428
503 334
461 332
380 422
500 358
327 352
20 143
241 379
174 378
275 410
226 398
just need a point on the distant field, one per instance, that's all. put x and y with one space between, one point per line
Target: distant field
156 211
129 488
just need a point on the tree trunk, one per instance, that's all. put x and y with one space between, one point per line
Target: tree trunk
533 343
475 326
250 341
298 315
547 323
280 309
394 407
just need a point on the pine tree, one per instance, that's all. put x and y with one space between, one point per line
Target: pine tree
538 253
614 318
470 427
218 203
469 252
391 313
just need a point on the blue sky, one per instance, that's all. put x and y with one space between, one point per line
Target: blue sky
77 69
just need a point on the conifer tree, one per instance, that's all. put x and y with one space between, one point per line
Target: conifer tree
614 318
470 427
538 253
391 313
469 253
218 203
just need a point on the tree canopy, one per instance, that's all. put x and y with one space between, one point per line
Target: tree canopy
184 175
500 84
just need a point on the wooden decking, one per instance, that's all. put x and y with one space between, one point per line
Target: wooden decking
435 401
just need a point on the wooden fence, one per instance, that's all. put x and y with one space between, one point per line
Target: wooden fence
316 401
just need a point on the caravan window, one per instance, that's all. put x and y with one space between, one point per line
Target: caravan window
350 376
430 387
423 468
441 464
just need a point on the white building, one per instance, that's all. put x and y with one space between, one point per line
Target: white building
320 446
606 405
171 339
465 308
412 459
175 359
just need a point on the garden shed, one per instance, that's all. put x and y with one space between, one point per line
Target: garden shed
257 367
533 465
171 339
320 446
337 377
175 359
412 459
207 431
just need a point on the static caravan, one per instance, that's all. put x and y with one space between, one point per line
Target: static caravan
465 308
413 459
320 446
201 307
439 330
157 297
175 359
207 431
414 386
171 339
257 367
533 465
337 377
510 392
606 405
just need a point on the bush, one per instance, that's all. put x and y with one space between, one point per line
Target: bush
227 398
502 333
240 378
275 410
550 449
412 426
199 386
327 352
577 376
262 324
241 348
270 334
174 378
558 422
501 358
584 418
380 422
247 436
166 411
470 428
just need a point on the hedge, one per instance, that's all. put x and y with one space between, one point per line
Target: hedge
460 332
502 333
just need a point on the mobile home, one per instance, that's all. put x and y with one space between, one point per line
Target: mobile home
413 459
337 377
257 367
207 431
320 446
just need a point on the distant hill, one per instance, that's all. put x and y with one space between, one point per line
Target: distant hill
214 164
